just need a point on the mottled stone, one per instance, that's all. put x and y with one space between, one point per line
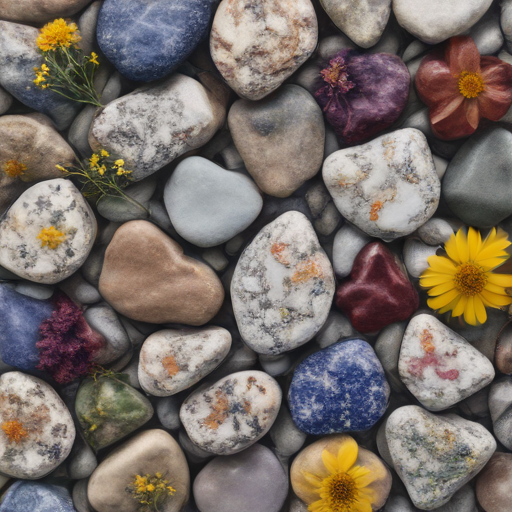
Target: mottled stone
378 292
36 497
387 187
347 244
171 287
500 407
494 483
282 287
416 255
339 389
435 231
34 11
281 139
233 413
257 45
435 455
152 126
53 203
37 431
172 360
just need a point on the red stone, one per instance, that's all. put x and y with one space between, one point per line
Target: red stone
378 291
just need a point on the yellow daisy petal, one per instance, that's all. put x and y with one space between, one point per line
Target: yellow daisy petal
442 288
450 306
494 288
362 506
330 461
462 245
435 280
474 243
443 300
492 263
347 454
451 249
495 299
469 312
312 479
504 280
481 314
442 265
461 305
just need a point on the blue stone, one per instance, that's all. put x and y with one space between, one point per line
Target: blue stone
148 40
25 496
339 389
20 319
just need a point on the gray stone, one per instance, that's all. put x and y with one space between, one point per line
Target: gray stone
297 505
477 404
87 26
325 214
275 365
331 45
215 258
239 359
79 290
82 460
5 101
36 291
348 241
287 438
500 407
232 158
415 49
506 23
416 254
132 371
168 412
435 231
79 494
487 33
387 348
391 41
195 454
336 328
234 245
91 269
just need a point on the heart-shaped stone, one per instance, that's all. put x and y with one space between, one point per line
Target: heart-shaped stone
378 292
146 277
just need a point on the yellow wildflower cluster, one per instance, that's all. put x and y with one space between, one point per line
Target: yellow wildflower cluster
149 490
51 237
100 164
41 75
13 168
58 34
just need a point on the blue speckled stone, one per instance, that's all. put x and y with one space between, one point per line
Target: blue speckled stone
339 389
147 40
25 496
20 318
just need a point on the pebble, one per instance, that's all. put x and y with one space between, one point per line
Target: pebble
240 358
37 428
79 494
436 455
172 287
378 292
36 291
33 12
436 21
500 407
325 215
339 389
194 454
208 205
416 254
285 435
35 496
503 354
232 414
275 365
256 49
174 29
215 258
150 127
251 481
435 231
506 22
487 33
82 460
415 49
387 348
337 327
79 290
168 412
282 287
494 483
348 242
388 187
174 360
149 452
5 101
281 138
439 367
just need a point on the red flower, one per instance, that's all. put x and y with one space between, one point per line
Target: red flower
460 87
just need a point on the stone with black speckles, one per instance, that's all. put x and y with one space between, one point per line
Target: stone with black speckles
232 414
339 389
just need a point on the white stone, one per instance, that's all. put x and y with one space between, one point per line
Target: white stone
173 360
347 244
46 427
56 203
387 187
283 286
438 366
416 255
435 232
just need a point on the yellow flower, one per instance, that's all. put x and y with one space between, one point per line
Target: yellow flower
158 475
463 281
171 490
94 160
39 78
104 153
102 170
94 59
45 69
13 168
119 163
51 238
63 169
58 34
150 488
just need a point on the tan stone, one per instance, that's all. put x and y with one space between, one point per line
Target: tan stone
147 277
37 11
494 484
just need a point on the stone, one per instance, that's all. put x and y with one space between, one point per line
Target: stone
152 126
378 292
19 55
215 258
387 187
282 287
439 367
36 497
287 438
362 20
37 429
416 254
108 409
79 290
36 291
500 407
503 354
487 33
435 231
149 452
387 348
339 389
173 28
434 22
232 414
494 483
281 138
256 49
325 215
208 205
506 22
481 200
5 101
79 494
168 412
82 460
337 327
435 456
54 209
173 360
347 244
194 453
34 12
251 481
172 287
275 365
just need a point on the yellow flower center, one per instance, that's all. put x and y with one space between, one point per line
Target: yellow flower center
58 34
339 490
470 279
51 237
13 168
14 431
471 84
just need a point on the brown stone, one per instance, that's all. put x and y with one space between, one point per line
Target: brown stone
37 11
494 484
147 277
503 354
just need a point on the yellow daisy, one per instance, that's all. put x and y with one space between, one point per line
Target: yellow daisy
463 281
58 34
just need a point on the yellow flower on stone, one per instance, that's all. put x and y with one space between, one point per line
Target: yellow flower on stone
119 163
51 237
463 281
13 168
61 168
94 160
57 34
104 153
94 60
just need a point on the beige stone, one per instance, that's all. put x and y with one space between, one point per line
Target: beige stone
37 11
494 484
147 277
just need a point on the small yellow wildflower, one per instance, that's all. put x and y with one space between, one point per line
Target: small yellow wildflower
158 475
39 78
172 490
93 428
13 168
119 163
51 237
94 59
94 160
123 172
102 170
150 488
63 169
104 153
58 34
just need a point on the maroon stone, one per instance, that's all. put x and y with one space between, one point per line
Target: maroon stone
378 292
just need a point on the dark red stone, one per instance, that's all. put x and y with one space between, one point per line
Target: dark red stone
378 292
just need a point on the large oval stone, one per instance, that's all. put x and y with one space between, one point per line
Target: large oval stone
257 44
35 11
171 287
282 287
37 497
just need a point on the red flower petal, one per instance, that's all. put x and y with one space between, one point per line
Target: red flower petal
445 108
454 126
496 99
472 112
435 82
461 54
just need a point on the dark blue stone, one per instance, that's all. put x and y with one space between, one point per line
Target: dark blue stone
147 40
20 318
27 496
339 389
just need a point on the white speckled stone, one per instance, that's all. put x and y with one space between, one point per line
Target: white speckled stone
171 360
387 187
282 287
257 45
436 455
46 421
416 255
56 203
233 413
